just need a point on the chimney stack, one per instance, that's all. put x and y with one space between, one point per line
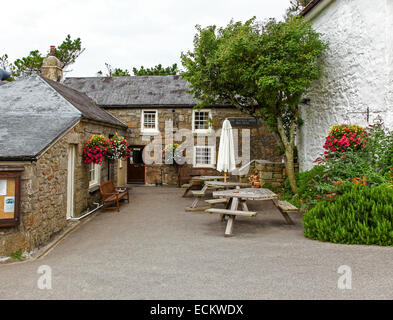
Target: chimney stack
51 66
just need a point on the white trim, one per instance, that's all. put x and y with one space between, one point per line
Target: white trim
149 131
97 172
212 157
201 131
71 181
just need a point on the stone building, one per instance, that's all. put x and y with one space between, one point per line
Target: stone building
148 103
357 85
44 184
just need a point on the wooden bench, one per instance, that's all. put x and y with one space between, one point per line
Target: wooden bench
217 201
112 194
232 212
285 207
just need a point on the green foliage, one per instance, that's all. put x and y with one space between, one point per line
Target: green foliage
361 215
17 255
114 72
158 70
261 68
312 186
67 52
373 162
27 65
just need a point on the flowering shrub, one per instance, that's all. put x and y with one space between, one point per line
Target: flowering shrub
118 148
343 137
95 150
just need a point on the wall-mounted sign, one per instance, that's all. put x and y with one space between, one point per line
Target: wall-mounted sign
9 195
245 122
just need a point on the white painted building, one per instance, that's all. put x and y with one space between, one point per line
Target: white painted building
357 85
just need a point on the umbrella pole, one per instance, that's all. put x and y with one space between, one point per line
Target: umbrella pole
225 177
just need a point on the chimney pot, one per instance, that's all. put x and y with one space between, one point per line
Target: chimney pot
52 51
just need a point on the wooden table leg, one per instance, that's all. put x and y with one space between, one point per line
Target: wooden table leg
227 206
194 204
284 214
231 218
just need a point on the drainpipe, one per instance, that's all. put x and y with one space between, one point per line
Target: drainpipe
99 206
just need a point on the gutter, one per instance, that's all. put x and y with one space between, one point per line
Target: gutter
314 8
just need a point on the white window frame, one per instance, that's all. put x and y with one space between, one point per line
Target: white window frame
96 168
212 163
209 129
149 131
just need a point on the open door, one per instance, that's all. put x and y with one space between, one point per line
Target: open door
135 166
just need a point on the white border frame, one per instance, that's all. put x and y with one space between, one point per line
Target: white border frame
213 157
149 131
201 131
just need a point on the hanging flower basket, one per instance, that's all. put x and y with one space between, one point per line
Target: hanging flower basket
118 148
96 149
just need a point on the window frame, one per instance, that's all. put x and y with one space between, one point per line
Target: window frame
212 163
13 173
210 116
97 172
149 131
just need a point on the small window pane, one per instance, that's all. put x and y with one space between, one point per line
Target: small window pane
149 120
201 120
203 155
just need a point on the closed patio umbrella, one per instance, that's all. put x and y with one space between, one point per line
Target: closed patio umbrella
226 151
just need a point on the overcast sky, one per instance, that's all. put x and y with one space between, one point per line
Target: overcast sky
123 33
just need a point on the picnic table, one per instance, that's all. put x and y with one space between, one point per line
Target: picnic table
239 197
200 180
212 185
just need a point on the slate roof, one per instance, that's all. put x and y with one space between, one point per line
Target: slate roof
35 112
135 91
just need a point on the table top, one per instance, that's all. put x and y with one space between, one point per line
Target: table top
207 178
247 194
228 184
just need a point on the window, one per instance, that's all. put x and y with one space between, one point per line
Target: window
94 174
204 156
201 120
149 121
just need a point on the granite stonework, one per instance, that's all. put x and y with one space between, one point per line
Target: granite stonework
44 190
262 144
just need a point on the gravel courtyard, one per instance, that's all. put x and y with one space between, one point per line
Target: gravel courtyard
153 249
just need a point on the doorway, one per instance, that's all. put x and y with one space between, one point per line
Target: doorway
135 166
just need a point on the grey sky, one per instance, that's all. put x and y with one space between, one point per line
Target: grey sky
124 33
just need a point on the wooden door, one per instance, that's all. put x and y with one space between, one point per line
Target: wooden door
135 166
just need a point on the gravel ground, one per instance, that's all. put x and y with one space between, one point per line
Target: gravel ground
153 249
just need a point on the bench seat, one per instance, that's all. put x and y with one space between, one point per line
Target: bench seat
232 212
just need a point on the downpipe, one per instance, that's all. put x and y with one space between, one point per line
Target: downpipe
99 206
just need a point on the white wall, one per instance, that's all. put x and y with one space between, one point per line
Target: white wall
358 72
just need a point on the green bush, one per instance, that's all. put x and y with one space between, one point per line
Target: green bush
311 186
360 215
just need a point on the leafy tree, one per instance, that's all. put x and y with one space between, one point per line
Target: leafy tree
260 68
114 72
67 52
158 70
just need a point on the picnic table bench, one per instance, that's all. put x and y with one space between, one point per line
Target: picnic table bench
239 197
198 181
212 185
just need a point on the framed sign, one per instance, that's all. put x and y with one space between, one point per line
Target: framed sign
10 196
247 122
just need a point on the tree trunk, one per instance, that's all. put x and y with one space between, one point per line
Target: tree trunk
289 145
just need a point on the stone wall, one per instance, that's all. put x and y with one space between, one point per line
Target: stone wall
262 143
271 174
44 191
357 85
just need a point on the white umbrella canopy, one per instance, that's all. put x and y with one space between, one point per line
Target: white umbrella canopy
226 151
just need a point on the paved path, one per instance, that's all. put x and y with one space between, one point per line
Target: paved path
155 250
